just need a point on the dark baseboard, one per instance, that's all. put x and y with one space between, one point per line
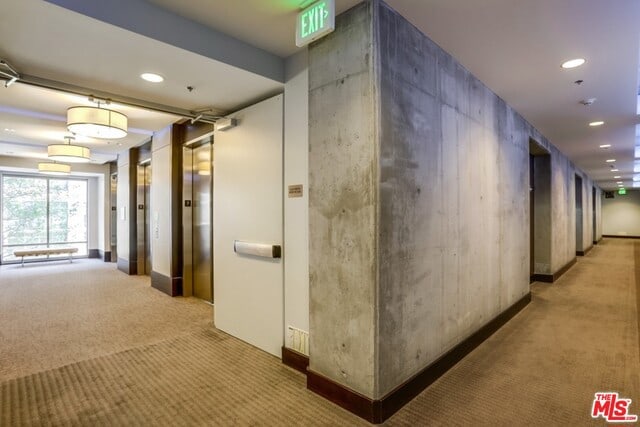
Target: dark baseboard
171 286
348 399
106 256
94 253
550 278
295 360
595 242
130 268
620 237
545 278
583 253
377 411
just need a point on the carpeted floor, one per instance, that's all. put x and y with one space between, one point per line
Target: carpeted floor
578 336
56 313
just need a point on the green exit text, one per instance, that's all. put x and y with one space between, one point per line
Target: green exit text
315 21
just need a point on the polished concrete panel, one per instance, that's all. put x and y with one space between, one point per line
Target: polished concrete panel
419 202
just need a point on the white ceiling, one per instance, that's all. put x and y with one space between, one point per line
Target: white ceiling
63 48
514 46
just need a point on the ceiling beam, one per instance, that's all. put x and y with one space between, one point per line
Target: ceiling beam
159 24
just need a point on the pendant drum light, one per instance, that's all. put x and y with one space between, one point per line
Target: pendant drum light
96 122
53 168
69 152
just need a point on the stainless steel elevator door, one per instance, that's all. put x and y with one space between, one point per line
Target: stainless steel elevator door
201 218
143 219
147 219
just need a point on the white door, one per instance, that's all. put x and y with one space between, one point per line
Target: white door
247 206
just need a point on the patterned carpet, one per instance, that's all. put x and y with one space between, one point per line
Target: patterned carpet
577 337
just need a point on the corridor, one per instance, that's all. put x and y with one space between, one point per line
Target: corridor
65 360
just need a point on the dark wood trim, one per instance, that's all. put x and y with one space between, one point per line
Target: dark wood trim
564 269
128 267
586 251
613 236
550 278
344 397
178 133
377 411
295 360
106 256
94 253
195 130
171 286
132 211
546 278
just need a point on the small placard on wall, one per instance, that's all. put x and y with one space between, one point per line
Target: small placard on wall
295 191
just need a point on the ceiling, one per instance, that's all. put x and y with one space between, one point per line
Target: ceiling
514 46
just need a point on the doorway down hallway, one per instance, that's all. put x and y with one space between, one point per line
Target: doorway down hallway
578 336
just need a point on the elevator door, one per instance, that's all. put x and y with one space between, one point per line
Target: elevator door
147 219
143 219
201 236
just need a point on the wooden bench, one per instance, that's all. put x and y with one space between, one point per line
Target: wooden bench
47 252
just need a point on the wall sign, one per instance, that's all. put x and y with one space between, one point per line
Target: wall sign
315 21
622 191
295 191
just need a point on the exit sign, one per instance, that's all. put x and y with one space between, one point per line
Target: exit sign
315 21
622 191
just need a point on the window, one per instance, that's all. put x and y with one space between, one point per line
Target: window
42 212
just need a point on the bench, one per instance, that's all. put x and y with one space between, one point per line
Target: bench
47 252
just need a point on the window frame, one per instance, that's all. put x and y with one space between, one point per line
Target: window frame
48 243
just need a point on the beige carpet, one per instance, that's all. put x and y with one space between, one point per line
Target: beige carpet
578 336
56 313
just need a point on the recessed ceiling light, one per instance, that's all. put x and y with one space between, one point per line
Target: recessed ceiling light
9 130
611 160
617 176
605 146
618 182
615 170
598 123
573 63
151 77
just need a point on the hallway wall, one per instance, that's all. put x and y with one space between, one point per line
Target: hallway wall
419 201
296 210
621 215
161 243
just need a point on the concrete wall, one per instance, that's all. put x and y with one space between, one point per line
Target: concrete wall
296 210
454 203
419 202
343 164
599 215
161 242
542 215
621 215
563 213
588 236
